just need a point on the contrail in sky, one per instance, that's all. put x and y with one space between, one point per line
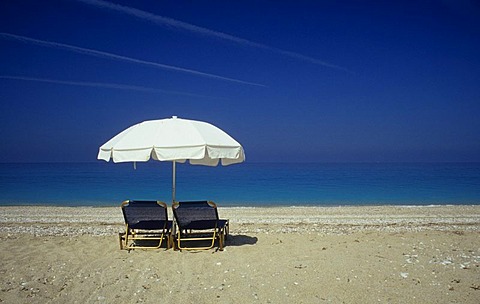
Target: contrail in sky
100 85
160 20
118 57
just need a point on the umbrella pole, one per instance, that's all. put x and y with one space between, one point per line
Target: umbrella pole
173 181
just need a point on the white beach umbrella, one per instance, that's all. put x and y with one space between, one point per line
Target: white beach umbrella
176 140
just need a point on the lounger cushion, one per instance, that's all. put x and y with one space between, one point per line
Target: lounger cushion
204 224
150 225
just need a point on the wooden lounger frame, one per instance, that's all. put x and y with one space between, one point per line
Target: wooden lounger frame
128 238
213 234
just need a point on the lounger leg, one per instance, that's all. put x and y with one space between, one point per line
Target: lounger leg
178 247
214 237
169 241
124 244
171 238
121 236
227 228
221 239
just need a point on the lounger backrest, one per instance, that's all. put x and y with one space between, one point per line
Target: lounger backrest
186 212
137 211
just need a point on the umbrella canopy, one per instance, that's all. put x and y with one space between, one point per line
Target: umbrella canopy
173 139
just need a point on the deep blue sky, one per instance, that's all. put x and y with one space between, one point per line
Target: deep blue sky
290 80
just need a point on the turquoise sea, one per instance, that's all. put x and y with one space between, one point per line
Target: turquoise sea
247 184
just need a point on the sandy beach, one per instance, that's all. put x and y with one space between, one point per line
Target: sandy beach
369 254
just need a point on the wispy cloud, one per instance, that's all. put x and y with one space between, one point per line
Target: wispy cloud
118 57
169 22
101 85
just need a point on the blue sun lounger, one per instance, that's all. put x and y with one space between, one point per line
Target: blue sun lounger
197 223
147 225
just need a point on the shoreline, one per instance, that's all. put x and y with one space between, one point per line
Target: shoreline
50 220
256 205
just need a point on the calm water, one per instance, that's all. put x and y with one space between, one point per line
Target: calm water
247 184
